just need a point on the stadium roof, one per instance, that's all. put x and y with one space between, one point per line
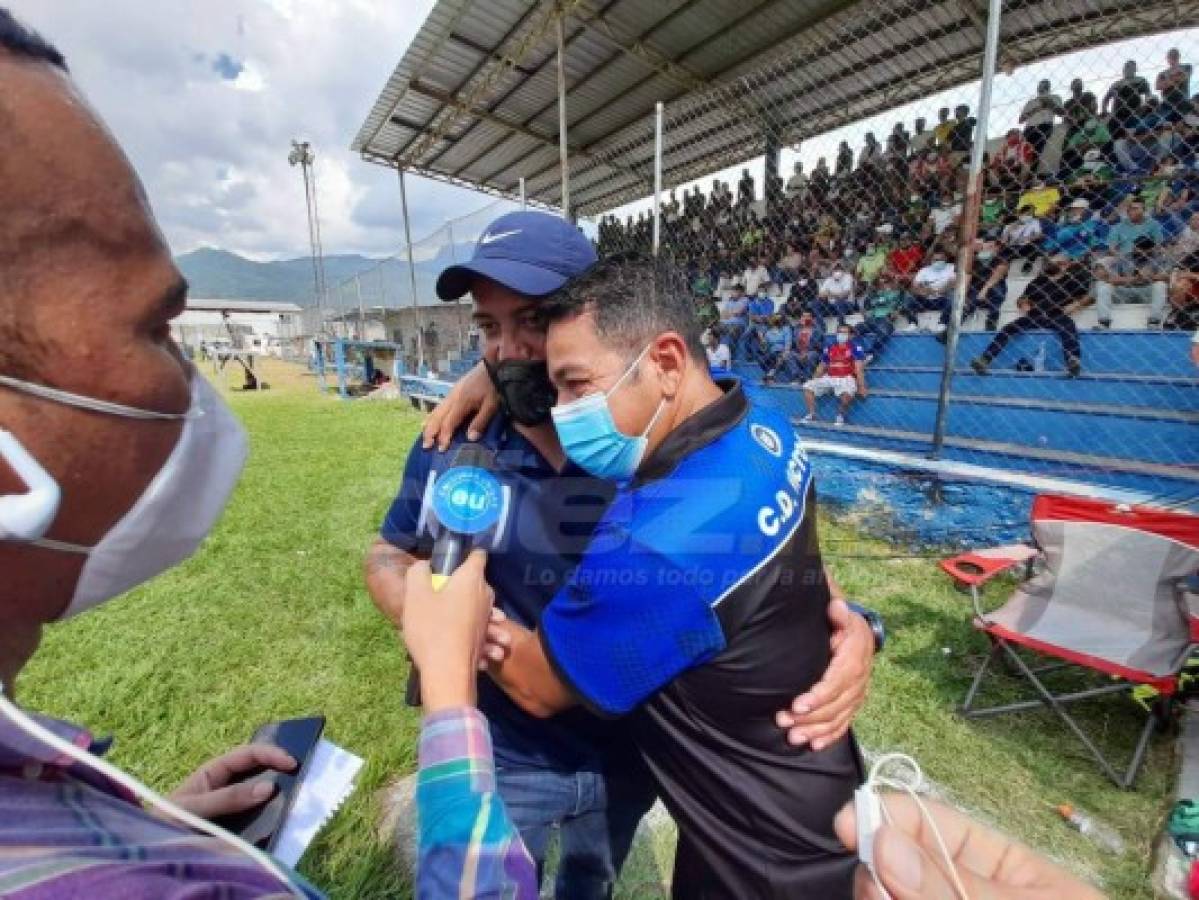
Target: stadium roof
474 99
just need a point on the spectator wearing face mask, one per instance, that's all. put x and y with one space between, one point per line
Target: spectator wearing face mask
800 359
988 281
1079 234
1050 302
719 358
776 341
836 295
1023 237
841 372
932 289
734 317
880 308
760 311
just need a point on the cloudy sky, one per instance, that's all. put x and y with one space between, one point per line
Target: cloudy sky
206 97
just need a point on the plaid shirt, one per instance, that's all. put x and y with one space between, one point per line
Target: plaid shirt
67 832
468 845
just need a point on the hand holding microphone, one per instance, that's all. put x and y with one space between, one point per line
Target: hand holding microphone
466 504
444 629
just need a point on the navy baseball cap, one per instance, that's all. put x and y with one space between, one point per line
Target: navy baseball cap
531 253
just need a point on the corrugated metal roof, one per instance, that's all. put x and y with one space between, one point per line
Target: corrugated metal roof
474 99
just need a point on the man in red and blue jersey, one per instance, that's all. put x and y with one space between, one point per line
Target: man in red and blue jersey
841 372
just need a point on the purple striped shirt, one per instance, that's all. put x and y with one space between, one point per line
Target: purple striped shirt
67 832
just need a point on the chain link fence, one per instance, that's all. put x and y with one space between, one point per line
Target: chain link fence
1049 243
389 317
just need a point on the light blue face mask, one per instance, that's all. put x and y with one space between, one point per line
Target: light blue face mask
591 439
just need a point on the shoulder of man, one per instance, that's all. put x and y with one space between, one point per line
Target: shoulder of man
745 494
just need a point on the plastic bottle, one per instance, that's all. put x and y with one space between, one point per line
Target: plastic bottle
1038 360
1100 834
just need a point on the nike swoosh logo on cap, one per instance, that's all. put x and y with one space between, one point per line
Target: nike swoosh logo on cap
499 235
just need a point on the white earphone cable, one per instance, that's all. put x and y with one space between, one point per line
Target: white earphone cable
909 785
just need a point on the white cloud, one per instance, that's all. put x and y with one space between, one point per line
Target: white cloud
212 150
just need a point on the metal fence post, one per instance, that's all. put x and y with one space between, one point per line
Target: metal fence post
657 177
970 215
420 333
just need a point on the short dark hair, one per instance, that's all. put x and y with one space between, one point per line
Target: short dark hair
20 40
634 299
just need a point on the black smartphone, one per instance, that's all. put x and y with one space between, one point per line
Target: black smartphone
260 826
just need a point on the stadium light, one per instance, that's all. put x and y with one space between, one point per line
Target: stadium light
303 156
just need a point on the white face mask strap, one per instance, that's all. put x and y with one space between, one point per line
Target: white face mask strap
40 733
63 546
871 813
91 404
629 371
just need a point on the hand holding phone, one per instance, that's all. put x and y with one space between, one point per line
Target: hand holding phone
295 739
220 786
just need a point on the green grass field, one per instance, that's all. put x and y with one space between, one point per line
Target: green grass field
271 620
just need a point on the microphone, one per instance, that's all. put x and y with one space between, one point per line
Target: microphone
466 501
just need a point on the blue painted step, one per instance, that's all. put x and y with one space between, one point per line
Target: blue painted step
1120 436
1115 352
1153 392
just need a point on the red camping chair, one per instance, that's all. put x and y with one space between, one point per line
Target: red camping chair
1107 594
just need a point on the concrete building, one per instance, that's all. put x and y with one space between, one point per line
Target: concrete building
266 326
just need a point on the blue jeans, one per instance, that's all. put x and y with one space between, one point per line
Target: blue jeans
596 817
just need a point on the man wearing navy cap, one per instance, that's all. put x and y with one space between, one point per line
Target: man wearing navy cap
574 771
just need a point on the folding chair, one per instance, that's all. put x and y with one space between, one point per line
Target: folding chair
1107 593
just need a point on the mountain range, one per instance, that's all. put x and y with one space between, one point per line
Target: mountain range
216 274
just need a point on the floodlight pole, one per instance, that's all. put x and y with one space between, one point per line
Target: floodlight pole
657 177
420 333
302 155
563 156
969 226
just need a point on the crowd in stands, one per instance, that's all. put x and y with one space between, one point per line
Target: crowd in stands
1112 217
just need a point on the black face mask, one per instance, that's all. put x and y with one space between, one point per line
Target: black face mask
526 393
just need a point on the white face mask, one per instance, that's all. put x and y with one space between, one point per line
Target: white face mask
174 514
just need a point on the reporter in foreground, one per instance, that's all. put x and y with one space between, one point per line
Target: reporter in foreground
468 846
116 458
